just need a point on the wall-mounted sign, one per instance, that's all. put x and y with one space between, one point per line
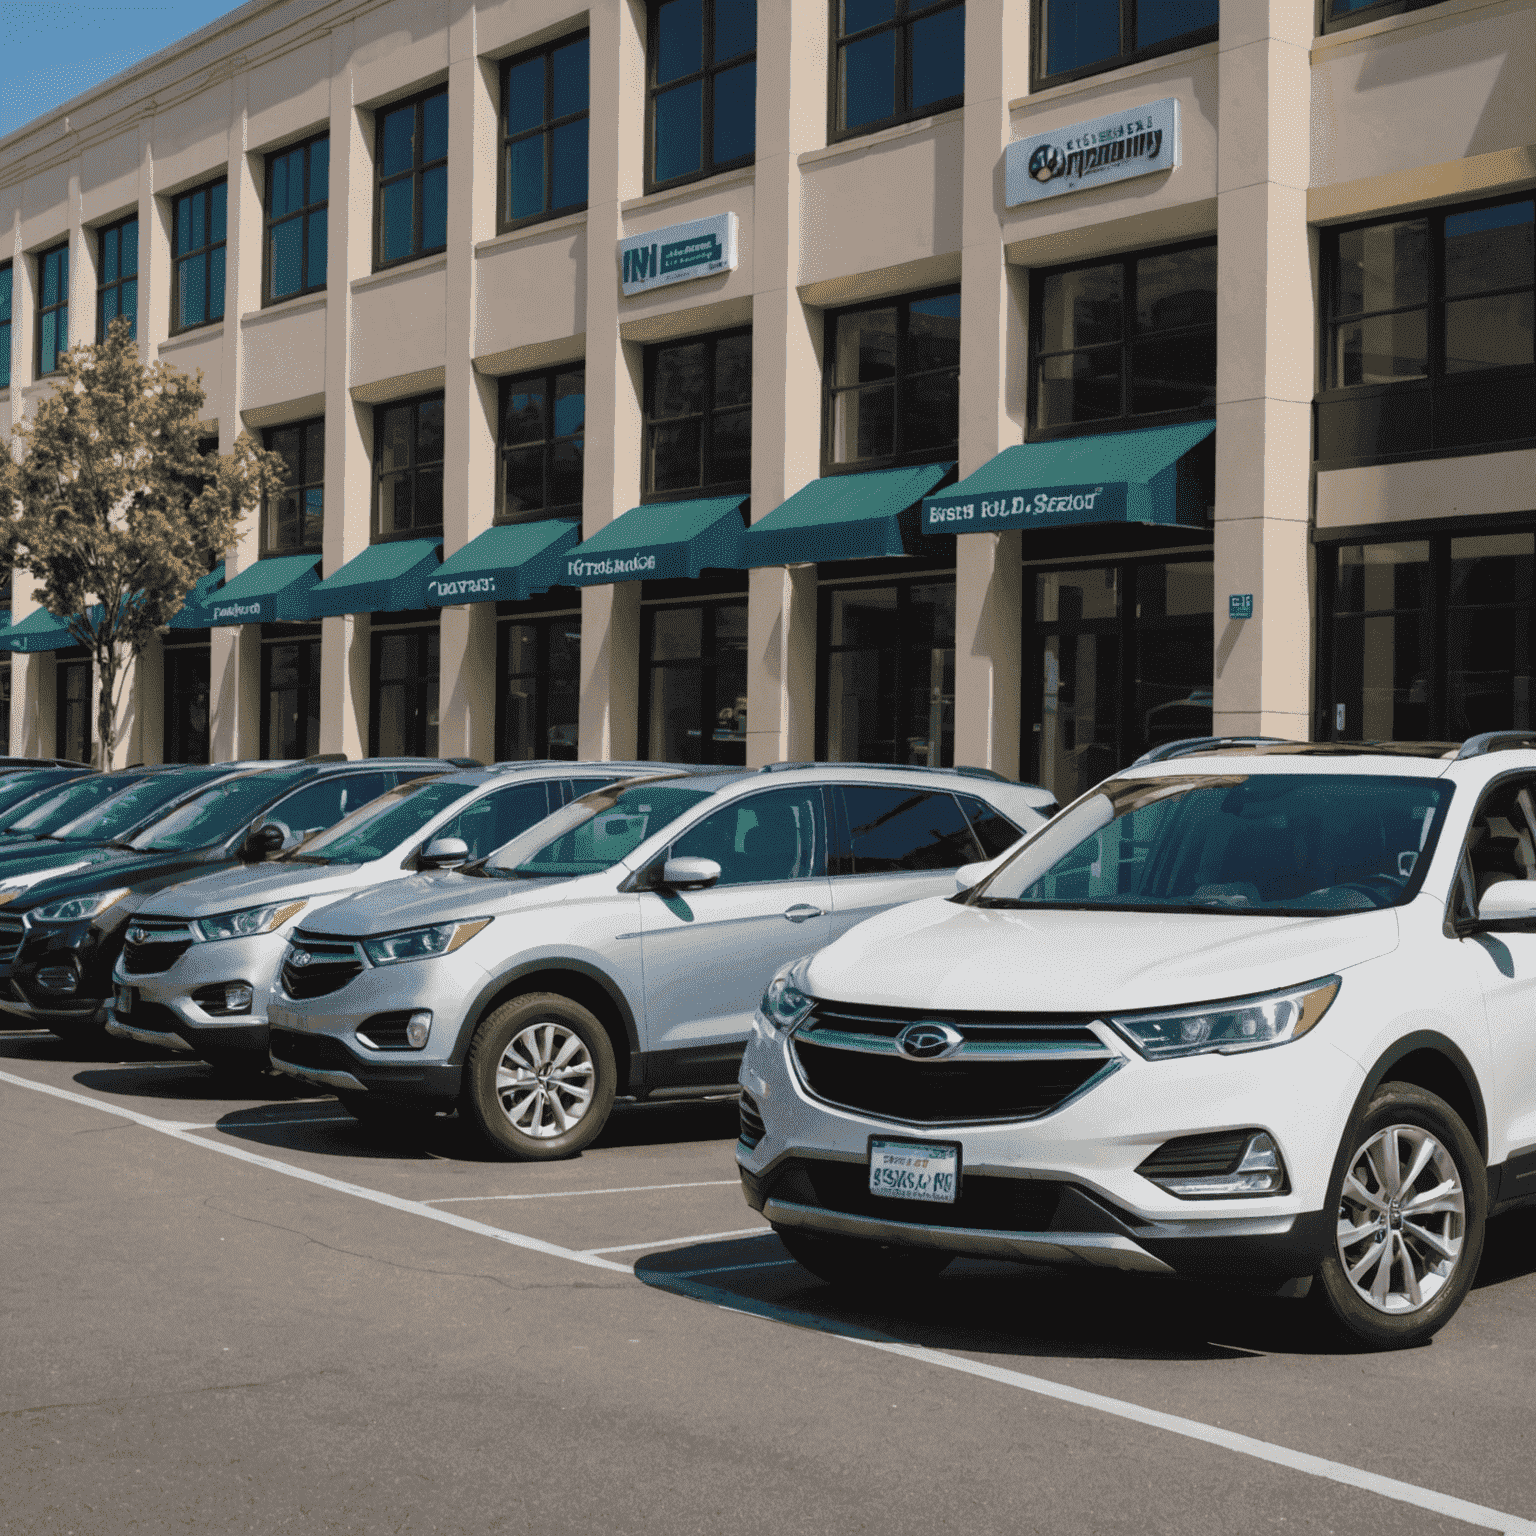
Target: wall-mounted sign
678 254
1092 154
1059 506
1240 605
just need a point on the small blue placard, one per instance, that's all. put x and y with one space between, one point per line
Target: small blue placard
1240 605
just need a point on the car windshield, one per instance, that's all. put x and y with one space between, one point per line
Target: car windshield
1287 844
16 789
592 833
132 807
374 829
219 812
43 816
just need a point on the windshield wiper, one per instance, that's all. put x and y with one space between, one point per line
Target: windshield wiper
1003 903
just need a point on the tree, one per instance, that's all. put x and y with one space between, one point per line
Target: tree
115 509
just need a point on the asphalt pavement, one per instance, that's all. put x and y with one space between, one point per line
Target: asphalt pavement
228 1306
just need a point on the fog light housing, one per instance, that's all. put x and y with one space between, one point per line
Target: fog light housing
224 998
61 979
400 1031
417 1030
1218 1166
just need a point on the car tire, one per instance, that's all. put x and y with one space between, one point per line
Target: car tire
853 1263
540 1077
1407 1240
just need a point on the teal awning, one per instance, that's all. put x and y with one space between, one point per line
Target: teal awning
39 631
1114 477
504 565
385 578
664 540
193 613
844 517
269 592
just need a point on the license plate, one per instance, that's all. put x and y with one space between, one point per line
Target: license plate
915 1170
123 1001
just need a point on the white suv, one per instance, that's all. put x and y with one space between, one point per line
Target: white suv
1257 1012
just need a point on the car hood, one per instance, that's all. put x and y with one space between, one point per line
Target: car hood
228 890
941 954
102 870
440 897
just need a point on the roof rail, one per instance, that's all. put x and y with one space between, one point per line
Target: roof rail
1495 741
962 772
1192 744
465 762
326 757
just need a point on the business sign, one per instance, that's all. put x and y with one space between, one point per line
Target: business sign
678 254
584 570
1055 507
1093 154
239 613
1240 605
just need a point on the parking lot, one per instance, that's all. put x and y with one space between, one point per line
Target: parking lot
229 1306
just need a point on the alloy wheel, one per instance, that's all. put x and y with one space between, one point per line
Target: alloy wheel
545 1080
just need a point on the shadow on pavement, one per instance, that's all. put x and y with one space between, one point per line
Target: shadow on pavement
185 1079
1509 1249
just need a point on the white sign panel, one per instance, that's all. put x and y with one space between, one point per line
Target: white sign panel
1114 148
678 254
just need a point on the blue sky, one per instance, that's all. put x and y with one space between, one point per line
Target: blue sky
55 49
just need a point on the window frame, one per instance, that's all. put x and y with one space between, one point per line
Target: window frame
271 638
709 67
103 287
8 274
77 659
706 417
830 390
304 428
545 379
542 623
706 668
425 686
303 214
1376 10
1129 53
178 654
205 250
419 168
901 23
50 309
1127 420
377 535
547 125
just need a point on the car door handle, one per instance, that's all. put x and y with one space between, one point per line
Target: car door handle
801 911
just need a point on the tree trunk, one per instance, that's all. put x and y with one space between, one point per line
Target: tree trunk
106 702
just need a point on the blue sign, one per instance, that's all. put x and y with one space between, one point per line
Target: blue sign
678 253
1240 605
1057 507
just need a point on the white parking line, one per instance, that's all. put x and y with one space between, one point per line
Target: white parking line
566 1194
678 1242
727 1269
1412 1494
261 1125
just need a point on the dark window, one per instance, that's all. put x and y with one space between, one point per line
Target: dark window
408 468
197 273
543 417
186 703
412 167
293 520
1427 639
893 381
298 190
695 680
72 709
6 279
5 709
403 719
993 830
544 132
323 803
1129 338
117 276
494 819
52 308
778 835
1338 14
539 664
887 693
1428 334
290 690
698 415
702 59
887 830
896 60
1074 38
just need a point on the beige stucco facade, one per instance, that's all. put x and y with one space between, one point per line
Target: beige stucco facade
1284 132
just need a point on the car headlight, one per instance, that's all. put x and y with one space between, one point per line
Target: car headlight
422 943
1239 1024
246 923
77 908
784 1005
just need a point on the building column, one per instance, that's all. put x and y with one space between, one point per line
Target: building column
1265 361
993 306
31 676
609 723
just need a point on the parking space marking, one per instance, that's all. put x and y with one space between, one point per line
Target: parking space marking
566 1194
678 1242
1478 1515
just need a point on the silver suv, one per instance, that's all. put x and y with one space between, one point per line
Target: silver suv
619 947
200 957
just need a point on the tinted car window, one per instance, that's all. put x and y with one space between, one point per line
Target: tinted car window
889 830
498 817
576 788
132 807
993 830
594 837
323 803
16 788
375 829
219 812
774 836
40 817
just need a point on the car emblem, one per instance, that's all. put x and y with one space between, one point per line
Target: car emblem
137 936
928 1040
300 957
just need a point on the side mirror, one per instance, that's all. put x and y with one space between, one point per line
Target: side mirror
262 842
972 874
1508 904
689 874
445 853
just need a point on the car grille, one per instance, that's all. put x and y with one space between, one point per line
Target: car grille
154 944
321 1052
752 1128
1007 1067
329 966
12 930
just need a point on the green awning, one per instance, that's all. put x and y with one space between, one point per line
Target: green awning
844 517
504 565
269 592
385 578
664 540
1113 477
193 614
39 631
